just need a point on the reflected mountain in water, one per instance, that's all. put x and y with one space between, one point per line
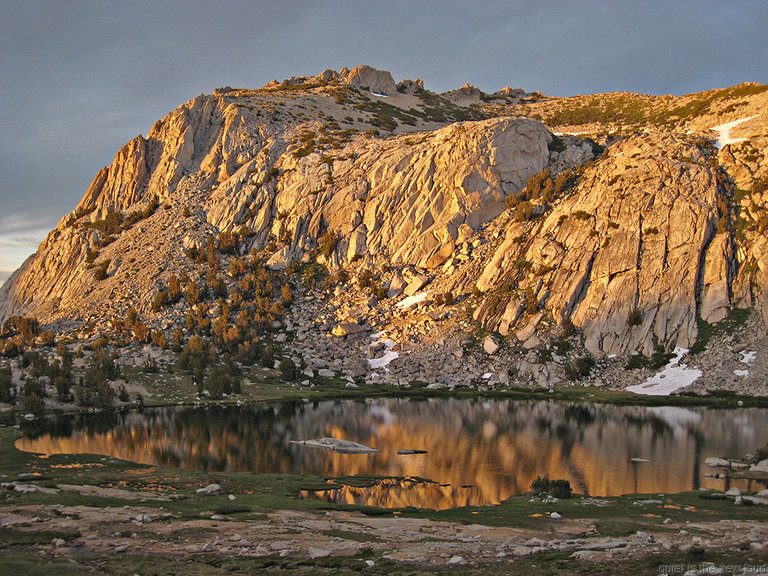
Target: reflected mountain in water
479 451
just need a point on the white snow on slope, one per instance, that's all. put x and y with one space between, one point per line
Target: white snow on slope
747 357
724 132
673 377
411 300
388 356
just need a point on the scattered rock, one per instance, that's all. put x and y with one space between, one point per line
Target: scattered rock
318 552
491 345
416 284
347 329
211 489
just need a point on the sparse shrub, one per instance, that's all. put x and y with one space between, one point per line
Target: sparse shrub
159 339
523 211
531 303
174 290
268 357
555 488
237 268
151 207
540 485
288 369
192 293
366 279
32 402
635 317
11 347
561 489
63 386
178 339
110 225
578 368
556 144
287 295
100 271
48 338
195 357
140 331
91 255
222 380
7 389
150 365
328 243
159 301
272 174
567 328
227 242
27 328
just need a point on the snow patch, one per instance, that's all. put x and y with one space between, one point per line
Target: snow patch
748 357
411 300
382 362
724 132
487 375
743 373
389 355
379 95
673 377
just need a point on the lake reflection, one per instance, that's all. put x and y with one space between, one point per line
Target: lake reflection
479 451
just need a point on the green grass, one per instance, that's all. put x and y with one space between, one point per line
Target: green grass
736 317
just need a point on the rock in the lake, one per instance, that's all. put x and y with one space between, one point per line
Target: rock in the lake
336 445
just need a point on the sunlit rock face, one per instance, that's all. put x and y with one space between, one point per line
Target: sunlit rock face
643 234
659 233
240 161
477 452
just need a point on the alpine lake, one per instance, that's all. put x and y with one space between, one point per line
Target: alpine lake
435 453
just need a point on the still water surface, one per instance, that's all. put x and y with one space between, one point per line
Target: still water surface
479 451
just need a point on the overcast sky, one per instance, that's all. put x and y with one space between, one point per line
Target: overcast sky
79 79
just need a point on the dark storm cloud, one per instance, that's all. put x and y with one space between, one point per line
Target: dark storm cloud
79 79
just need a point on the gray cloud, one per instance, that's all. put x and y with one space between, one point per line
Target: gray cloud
80 79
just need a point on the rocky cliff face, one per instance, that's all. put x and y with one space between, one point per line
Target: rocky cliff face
251 162
634 250
635 254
